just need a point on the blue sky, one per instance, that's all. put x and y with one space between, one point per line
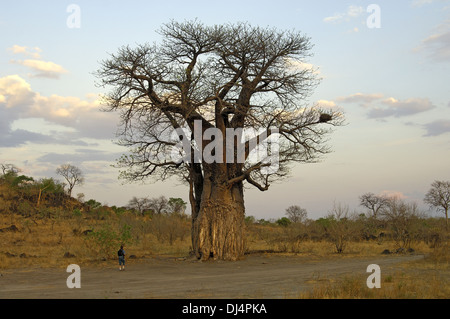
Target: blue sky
392 83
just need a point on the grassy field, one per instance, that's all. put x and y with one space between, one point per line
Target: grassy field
425 279
50 241
60 239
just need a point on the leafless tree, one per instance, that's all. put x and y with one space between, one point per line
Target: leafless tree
9 168
159 205
340 229
232 76
402 218
72 174
296 214
81 197
139 204
373 202
439 197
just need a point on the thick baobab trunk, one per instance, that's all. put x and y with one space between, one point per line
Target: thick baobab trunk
218 228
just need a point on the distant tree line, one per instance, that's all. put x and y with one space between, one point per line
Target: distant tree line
157 205
386 218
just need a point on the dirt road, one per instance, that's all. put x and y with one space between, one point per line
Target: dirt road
258 276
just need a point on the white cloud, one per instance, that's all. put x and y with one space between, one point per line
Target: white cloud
45 69
336 17
398 108
352 12
295 64
393 194
82 116
14 91
361 98
438 44
32 52
326 104
380 107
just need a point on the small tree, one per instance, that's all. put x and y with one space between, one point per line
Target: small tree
339 226
402 220
167 228
107 239
159 205
139 204
72 175
93 204
283 221
439 197
177 205
49 186
9 168
9 173
374 203
296 214
80 197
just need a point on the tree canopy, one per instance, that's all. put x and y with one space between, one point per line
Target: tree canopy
226 76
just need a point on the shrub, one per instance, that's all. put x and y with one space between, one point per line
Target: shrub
93 204
170 227
77 212
284 221
339 227
107 240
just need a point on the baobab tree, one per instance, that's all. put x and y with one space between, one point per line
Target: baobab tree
205 83
72 174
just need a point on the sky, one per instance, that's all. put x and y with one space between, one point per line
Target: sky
385 64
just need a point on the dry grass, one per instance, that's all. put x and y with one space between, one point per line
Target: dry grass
272 241
425 279
44 242
396 286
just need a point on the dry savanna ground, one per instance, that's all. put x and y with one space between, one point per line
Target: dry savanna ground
61 238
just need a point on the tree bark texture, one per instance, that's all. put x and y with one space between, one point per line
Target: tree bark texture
218 230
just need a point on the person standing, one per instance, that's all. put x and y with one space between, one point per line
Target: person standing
121 254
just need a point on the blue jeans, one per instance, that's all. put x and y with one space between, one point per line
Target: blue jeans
121 260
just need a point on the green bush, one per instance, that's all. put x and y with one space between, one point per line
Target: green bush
93 204
77 212
107 240
284 221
